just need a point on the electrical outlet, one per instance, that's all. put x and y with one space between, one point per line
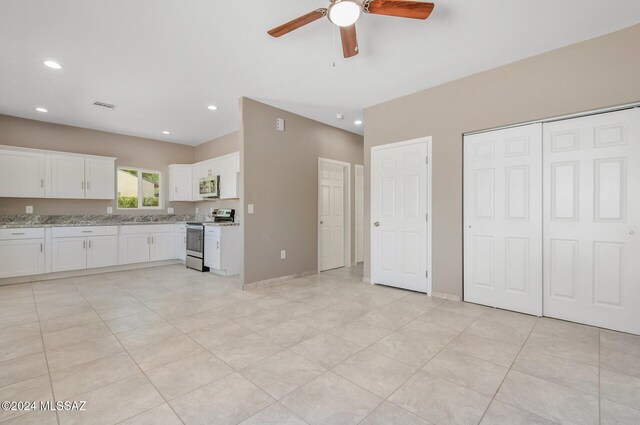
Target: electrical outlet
170 210
109 210
250 208
196 210
283 254
29 209
279 124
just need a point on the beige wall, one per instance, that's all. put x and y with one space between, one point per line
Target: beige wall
220 146
281 180
130 151
589 75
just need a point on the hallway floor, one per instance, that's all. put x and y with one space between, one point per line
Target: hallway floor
170 346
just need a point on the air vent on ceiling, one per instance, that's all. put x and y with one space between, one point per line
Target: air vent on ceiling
104 105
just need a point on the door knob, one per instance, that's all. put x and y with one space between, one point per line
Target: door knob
321 222
377 224
632 233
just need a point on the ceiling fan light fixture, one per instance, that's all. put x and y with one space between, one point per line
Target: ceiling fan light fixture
344 13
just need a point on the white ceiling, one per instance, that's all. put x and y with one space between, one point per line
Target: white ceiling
163 61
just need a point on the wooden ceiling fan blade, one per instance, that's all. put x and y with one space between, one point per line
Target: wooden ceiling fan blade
399 8
297 23
349 41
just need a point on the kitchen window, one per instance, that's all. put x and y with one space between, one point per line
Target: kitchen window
139 189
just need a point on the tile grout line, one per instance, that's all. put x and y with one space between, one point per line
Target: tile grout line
44 351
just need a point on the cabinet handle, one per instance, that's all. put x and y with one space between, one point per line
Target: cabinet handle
41 247
41 182
89 243
148 240
18 233
152 241
88 185
217 244
82 185
84 244
87 231
175 189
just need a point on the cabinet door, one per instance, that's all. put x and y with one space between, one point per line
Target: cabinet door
100 178
180 183
67 177
21 174
134 248
68 254
21 257
212 252
181 244
162 247
102 251
229 176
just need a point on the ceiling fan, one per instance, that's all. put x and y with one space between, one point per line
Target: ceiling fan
345 14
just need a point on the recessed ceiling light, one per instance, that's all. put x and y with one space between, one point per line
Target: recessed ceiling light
357 122
41 110
166 132
339 117
212 107
53 64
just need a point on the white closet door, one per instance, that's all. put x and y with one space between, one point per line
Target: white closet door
503 218
332 186
592 220
399 202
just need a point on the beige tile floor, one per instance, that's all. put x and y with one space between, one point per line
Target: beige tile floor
170 346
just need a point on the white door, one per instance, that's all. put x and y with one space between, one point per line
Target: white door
67 177
359 213
22 257
180 183
21 174
100 178
399 207
68 254
134 248
102 251
332 215
503 219
592 220
162 247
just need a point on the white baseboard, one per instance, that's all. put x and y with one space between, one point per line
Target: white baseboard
277 280
446 296
85 272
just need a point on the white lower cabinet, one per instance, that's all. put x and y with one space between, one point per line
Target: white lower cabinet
181 242
77 248
222 249
21 252
144 243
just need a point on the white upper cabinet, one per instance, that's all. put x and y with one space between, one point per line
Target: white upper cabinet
22 174
34 173
100 178
229 176
180 183
67 177
184 180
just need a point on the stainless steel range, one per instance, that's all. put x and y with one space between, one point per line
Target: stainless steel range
195 247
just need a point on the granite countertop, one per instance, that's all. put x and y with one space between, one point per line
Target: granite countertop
23 221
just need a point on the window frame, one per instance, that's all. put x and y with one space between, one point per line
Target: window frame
140 197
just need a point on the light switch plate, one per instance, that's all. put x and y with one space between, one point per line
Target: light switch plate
170 210
283 254
29 209
250 208
280 124
109 210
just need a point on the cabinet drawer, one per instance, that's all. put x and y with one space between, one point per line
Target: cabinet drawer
181 228
69 232
212 230
26 233
146 228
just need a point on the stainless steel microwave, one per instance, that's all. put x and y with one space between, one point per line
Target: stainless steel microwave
209 187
